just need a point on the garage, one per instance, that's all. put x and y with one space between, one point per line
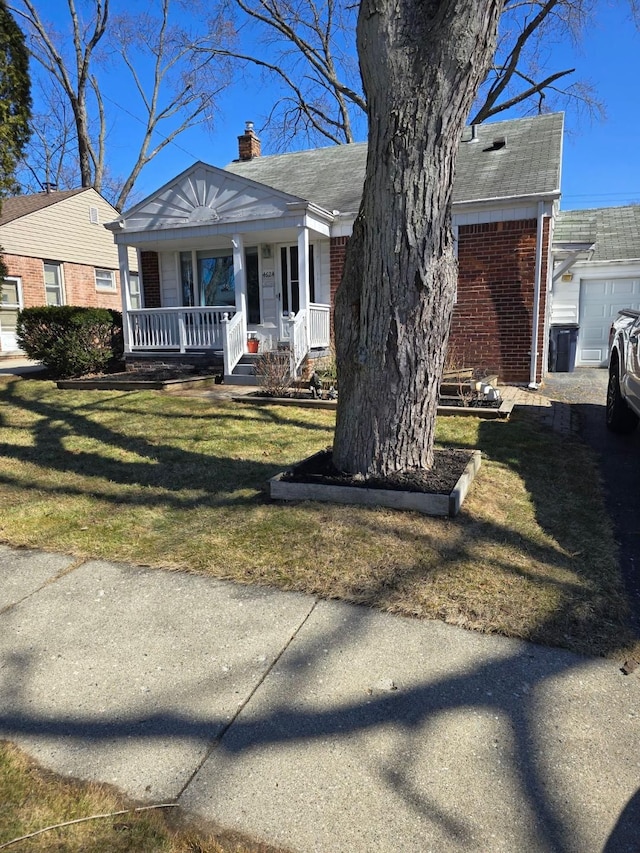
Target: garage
596 273
600 301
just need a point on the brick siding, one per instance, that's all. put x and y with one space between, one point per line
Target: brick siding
150 279
79 284
492 320
337 256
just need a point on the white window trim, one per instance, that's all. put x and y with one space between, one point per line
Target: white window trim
63 293
20 303
104 288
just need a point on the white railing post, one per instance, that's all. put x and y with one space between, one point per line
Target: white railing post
125 295
225 344
182 332
291 319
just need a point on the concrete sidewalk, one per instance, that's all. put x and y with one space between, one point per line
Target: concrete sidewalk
311 725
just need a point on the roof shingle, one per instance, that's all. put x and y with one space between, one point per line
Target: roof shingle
616 231
22 205
529 163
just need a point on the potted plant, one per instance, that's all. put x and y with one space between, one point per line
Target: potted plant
252 342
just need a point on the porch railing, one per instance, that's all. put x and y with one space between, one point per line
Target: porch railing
319 325
180 329
298 340
233 341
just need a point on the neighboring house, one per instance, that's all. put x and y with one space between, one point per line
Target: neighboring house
57 252
260 245
597 274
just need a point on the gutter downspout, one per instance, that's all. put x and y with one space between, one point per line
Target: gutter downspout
533 370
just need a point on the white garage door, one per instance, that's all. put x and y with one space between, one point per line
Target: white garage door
600 301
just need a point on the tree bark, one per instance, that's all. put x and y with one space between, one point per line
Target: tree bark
422 63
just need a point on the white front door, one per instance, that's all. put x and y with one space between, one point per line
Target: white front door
600 301
10 304
288 287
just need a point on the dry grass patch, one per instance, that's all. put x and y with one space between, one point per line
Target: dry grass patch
180 482
32 799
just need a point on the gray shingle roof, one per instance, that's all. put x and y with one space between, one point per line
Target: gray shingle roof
23 205
333 177
616 231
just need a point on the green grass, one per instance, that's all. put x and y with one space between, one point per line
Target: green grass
180 483
32 799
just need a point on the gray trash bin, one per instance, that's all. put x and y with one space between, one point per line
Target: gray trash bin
563 344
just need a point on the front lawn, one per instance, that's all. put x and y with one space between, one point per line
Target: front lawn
180 483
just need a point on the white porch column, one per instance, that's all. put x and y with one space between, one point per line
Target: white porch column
125 295
240 280
303 267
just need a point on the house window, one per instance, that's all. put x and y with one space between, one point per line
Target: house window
105 280
216 279
253 284
186 275
54 290
134 290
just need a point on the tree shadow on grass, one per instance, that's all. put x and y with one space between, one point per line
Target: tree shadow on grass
174 472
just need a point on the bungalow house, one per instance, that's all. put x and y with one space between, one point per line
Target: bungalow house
57 252
597 273
257 249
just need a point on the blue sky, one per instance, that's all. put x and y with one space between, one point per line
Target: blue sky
601 164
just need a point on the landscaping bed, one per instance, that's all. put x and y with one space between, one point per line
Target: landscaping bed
437 491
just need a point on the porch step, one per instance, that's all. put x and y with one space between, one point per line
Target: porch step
241 379
244 370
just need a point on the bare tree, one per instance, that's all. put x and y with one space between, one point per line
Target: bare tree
51 157
422 64
519 75
309 48
178 94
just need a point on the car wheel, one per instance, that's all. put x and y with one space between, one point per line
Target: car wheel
620 418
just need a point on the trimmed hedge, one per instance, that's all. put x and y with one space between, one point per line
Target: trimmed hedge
69 340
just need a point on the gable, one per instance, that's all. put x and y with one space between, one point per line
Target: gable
67 229
205 195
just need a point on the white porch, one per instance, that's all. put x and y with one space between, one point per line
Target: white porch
215 330
236 260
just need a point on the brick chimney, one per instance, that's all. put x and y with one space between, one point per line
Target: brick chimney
248 143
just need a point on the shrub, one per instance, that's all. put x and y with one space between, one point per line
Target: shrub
273 370
70 340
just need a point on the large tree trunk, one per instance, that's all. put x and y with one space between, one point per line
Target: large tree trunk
421 63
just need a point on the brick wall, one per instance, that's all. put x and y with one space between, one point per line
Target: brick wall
150 279
492 321
79 284
337 256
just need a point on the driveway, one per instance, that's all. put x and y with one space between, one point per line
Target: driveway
619 455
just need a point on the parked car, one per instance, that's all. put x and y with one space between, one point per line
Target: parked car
623 390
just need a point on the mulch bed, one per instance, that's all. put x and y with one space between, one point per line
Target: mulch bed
449 463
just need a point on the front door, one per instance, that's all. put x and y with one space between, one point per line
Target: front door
289 284
10 304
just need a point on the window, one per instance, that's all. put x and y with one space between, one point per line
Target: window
186 275
105 280
215 278
10 293
54 290
134 290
